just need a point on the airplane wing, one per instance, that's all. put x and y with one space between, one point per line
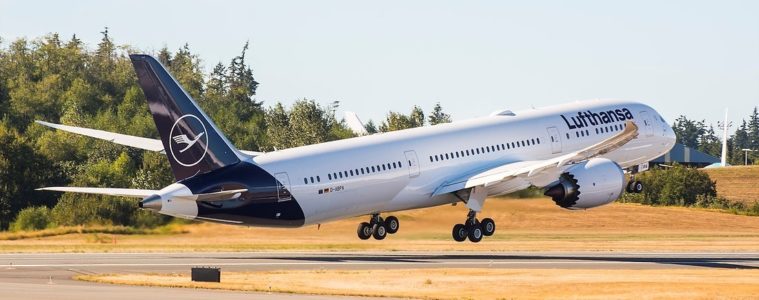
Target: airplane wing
527 169
121 139
134 193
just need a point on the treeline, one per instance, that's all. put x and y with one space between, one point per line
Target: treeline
697 135
682 186
62 81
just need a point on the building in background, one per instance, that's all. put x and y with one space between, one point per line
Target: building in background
686 156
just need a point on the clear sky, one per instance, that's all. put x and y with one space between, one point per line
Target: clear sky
681 57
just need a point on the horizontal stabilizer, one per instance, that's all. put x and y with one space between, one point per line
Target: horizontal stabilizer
134 193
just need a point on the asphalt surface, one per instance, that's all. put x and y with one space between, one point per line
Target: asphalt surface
48 276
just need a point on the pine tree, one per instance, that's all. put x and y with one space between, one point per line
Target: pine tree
740 141
438 116
753 130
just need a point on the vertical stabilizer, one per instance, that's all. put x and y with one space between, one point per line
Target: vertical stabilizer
192 142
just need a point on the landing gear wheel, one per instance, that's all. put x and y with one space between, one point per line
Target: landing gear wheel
460 232
475 233
628 188
488 226
380 232
392 224
364 231
637 187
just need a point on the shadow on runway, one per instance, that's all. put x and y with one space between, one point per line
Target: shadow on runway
695 261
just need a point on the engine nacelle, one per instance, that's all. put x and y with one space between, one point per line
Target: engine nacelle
593 183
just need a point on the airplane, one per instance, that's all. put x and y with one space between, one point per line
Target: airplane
578 152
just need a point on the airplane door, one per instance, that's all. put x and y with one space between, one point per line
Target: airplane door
555 139
648 128
283 187
412 163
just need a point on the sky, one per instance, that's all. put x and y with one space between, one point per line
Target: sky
681 57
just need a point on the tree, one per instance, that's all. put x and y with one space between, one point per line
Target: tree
740 141
752 130
398 121
709 142
304 123
370 127
688 131
438 116
21 171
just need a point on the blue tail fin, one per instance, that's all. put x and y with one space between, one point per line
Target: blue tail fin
192 142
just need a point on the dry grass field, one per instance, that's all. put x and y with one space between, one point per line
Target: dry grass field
522 225
736 183
478 283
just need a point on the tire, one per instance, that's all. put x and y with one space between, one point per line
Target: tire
475 234
488 226
628 188
637 187
380 232
460 232
392 224
364 231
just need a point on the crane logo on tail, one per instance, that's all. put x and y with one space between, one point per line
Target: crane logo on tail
187 132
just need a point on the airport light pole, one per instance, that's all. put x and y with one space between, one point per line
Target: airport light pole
745 156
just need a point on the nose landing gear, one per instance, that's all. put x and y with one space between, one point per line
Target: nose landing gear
378 228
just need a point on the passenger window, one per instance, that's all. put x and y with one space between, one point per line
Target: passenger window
318 179
567 135
446 156
305 180
383 168
329 176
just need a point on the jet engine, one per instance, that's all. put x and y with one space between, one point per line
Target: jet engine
593 183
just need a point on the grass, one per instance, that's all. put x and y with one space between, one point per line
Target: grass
737 183
692 283
94 230
522 225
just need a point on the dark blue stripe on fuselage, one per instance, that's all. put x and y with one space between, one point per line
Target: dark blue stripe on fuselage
259 206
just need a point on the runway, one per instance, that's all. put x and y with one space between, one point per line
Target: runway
48 276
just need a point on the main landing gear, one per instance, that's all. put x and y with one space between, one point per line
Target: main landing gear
634 186
473 229
377 227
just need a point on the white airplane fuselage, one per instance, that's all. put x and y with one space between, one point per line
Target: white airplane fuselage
401 170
